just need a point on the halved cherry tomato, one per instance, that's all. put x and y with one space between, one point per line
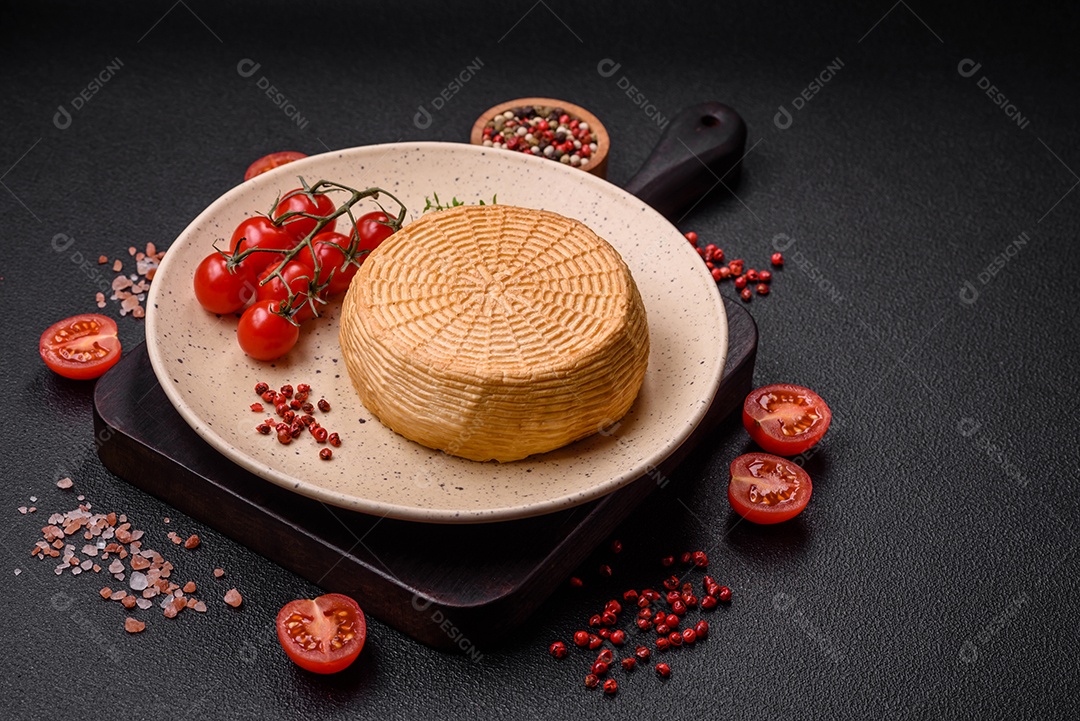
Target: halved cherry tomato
271 161
767 489
330 250
260 232
82 347
298 277
263 334
221 290
322 635
785 419
297 200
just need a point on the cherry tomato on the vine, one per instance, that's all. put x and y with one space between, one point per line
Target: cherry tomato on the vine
260 232
265 335
372 230
767 489
82 347
322 635
330 250
297 200
785 419
271 161
221 290
298 277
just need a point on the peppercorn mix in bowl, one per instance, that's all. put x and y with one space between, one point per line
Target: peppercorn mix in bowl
546 128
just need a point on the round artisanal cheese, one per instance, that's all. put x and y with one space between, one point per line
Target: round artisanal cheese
495 332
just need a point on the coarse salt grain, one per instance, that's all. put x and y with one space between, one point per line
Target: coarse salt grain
219 572
65 483
137 581
233 598
133 625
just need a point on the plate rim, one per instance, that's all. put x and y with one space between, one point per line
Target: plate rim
412 512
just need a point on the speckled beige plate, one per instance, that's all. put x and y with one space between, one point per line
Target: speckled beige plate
209 379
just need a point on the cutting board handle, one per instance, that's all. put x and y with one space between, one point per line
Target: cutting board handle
698 155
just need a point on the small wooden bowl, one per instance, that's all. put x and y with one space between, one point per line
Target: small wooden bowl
597 163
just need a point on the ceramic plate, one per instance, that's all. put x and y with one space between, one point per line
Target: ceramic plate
210 381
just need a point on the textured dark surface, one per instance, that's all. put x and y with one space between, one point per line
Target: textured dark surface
933 573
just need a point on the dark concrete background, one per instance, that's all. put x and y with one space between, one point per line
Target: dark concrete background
933 574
